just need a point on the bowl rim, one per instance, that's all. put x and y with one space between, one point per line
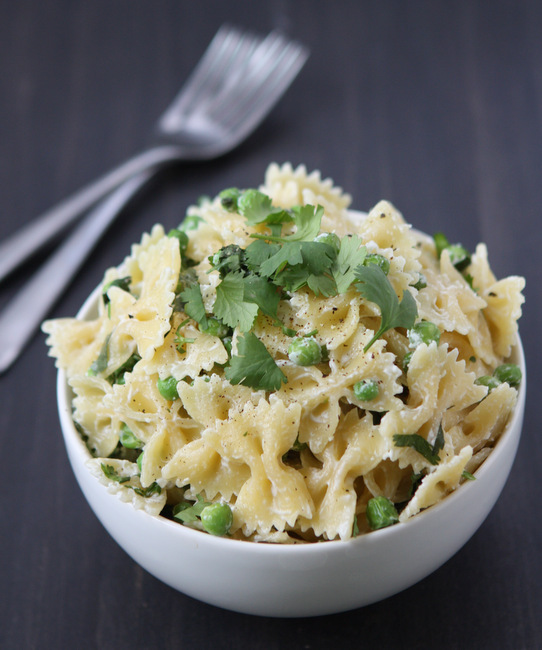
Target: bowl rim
512 427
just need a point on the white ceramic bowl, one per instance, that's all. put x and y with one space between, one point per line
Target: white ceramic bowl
298 580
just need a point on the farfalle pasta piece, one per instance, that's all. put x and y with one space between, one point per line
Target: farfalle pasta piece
437 382
147 318
100 426
356 449
435 486
288 187
384 231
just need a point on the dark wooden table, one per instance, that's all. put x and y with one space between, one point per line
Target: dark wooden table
434 105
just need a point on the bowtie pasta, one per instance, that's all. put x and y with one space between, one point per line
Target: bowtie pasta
281 369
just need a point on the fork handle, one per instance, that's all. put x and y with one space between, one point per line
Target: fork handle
22 316
18 247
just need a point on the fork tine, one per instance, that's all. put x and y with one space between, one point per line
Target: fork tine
263 84
282 75
210 67
225 75
248 77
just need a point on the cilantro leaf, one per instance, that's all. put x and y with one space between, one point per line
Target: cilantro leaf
153 488
121 283
112 475
262 293
189 512
375 287
230 305
228 259
194 306
100 364
258 252
419 444
307 220
256 207
253 365
351 255
300 263
322 284
438 445
290 254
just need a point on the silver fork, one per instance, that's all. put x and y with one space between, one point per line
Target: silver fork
234 86
235 107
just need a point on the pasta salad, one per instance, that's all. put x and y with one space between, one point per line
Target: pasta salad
281 369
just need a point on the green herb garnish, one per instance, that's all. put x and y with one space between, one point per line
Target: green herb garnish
375 287
253 365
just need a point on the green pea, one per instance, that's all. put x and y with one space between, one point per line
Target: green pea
305 351
216 327
509 373
168 388
181 236
128 438
226 342
229 199
441 242
190 222
421 283
488 381
379 260
423 332
459 256
381 513
139 462
217 518
366 390
329 238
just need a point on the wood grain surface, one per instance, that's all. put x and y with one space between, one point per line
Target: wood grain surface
434 105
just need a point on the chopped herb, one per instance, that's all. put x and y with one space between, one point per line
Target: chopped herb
381 513
193 304
181 236
355 527
468 476
229 259
351 255
117 377
375 287
180 340
189 512
262 293
121 283
230 305
257 208
153 488
100 364
438 445
215 327
253 365
419 444
112 475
